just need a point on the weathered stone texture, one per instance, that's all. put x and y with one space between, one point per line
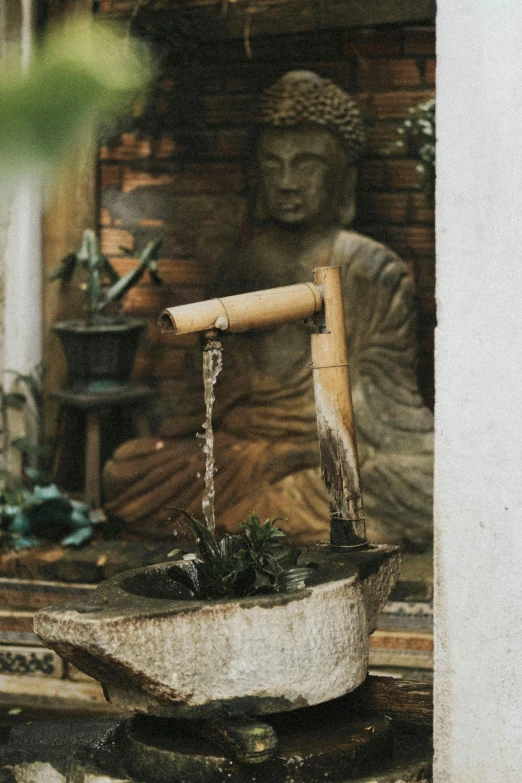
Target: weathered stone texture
252 655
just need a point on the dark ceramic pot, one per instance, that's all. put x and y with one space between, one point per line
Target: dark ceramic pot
99 357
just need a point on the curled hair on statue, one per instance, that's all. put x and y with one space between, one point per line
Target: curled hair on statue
304 97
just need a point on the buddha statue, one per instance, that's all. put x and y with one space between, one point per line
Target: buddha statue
266 447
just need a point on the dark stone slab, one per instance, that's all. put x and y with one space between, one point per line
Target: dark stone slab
87 565
398 750
49 739
311 747
55 741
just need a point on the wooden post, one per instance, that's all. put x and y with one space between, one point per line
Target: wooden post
335 423
71 209
92 460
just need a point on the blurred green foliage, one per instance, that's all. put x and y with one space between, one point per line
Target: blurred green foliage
83 74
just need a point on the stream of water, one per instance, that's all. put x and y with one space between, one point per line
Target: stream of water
212 366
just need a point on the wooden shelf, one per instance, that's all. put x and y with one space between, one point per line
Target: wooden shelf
271 16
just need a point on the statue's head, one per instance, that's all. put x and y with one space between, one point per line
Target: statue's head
311 139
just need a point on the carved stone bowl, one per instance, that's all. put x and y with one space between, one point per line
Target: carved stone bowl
157 650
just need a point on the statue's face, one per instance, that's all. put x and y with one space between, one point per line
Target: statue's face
301 173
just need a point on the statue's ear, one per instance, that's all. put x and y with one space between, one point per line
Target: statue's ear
260 212
257 207
347 205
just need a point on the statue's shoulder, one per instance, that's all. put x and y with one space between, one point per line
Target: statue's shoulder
362 256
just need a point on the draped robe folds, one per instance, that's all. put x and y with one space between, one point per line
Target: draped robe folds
266 447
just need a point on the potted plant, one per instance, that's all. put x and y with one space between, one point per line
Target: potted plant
100 349
32 509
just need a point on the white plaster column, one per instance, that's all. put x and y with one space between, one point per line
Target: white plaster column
20 259
22 316
23 279
478 481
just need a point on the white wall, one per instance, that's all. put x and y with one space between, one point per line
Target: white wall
20 257
22 315
478 482
22 252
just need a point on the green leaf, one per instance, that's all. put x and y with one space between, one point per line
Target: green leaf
82 73
78 537
206 541
89 251
20 523
24 542
287 558
147 261
127 251
118 290
94 289
14 496
156 277
294 578
32 381
262 583
66 269
151 251
15 400
27 446
109 271
36 476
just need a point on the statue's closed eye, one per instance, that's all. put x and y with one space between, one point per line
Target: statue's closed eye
270 166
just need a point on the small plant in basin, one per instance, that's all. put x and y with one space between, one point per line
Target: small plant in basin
100 348
257 560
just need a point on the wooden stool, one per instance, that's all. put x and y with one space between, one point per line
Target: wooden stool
93 404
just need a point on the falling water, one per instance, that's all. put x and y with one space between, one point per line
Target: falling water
212 365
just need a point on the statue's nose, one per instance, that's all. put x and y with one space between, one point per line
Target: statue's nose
288 180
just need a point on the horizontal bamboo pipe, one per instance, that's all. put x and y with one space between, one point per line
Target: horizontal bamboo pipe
256 310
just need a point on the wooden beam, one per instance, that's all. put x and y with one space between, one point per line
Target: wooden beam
401 699
264 17
70 210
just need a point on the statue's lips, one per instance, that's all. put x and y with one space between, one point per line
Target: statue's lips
290 206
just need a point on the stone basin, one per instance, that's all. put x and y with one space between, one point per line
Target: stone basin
157 650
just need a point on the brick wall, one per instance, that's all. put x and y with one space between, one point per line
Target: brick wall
181 168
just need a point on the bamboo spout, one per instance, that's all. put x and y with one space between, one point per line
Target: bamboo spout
335 422
257 310
322 301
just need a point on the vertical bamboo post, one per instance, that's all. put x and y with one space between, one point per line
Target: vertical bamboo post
335 423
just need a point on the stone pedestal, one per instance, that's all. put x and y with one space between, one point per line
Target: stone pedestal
96 750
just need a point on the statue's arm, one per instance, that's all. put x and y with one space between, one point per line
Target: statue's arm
381 327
